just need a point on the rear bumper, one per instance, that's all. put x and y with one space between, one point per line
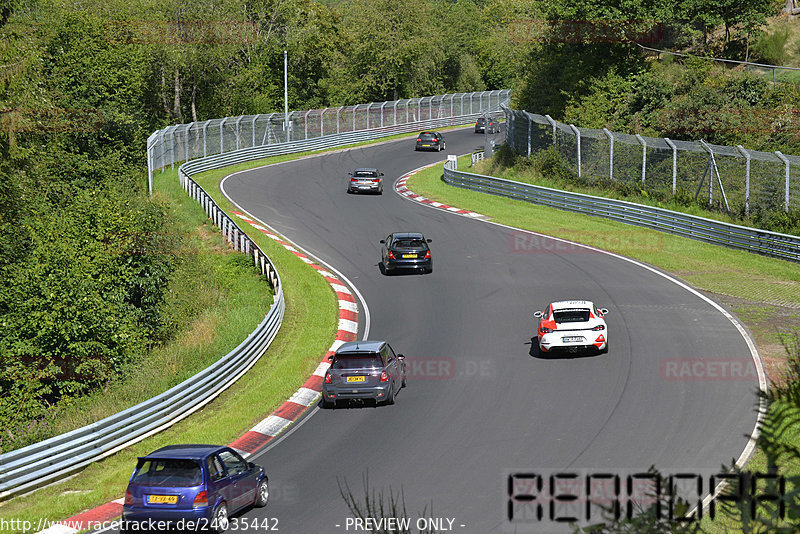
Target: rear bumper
364 188
431 147
554 343
332 393
408 264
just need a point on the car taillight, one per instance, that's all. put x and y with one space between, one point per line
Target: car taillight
599 327
428 255
201 499
384 376
390 255
545 330
419 140
128 498
328 379
376 180
353 179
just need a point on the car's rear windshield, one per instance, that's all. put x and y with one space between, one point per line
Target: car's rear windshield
365 361
427 136
366 174
409 243
571 316
168 472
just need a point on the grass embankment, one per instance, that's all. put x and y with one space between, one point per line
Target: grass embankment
763 292
235 301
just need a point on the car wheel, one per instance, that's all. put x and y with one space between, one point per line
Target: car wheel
444 146
390 398
403 384
263 493
219 523
328 404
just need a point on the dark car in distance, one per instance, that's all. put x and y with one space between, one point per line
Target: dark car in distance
365 181
481 125
406 250
367 370
430 141
192 487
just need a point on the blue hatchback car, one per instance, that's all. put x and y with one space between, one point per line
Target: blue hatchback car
192 487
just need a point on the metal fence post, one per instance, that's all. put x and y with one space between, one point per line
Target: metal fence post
253 142
369 108
746 155
394 113
462 103
644 155
172 148
354 117
430 108
305 124
610 154
186 140
205 138
553 125
452 97
382 106
408 102
221 136
578 138
337 118
674 165
150 170
787 165
238 132
480 102
530 122
265 140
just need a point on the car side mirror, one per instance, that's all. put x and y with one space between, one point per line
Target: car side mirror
429 240
537 314
381 174
330 358
401 357
251 465
382 241
603 311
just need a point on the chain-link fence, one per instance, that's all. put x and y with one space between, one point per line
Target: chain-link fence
184 142
733 178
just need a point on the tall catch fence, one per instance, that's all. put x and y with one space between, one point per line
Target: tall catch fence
734 179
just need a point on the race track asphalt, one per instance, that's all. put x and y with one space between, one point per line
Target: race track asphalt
480 399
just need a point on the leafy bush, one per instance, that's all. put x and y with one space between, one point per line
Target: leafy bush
771 46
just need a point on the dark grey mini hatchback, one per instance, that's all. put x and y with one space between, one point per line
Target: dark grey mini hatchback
366 370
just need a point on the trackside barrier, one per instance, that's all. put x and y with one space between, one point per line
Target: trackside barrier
53 459
783 246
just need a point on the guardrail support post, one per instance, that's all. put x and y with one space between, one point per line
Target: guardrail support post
577 138
337 118
205 138
305 124
644 155
746 155
382 106
222 136
610 154
322 122
394 113
530 122
253 142
787 166
553 124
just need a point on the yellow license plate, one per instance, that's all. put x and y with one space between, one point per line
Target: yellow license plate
356 379
409 255
426 145
162 499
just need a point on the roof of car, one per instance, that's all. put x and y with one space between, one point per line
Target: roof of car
407 235
429 133
366 169
361 346
570 304
192 451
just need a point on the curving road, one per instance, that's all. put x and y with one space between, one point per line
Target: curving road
480 400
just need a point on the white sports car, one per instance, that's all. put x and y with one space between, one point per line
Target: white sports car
572 326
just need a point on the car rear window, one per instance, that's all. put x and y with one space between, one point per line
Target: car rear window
571 316
409 243
168 472
367 361
366 174
427 136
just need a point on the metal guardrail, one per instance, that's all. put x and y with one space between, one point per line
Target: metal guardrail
783 246
53 459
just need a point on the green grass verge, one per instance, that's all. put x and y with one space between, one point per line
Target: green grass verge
308 329
764 292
